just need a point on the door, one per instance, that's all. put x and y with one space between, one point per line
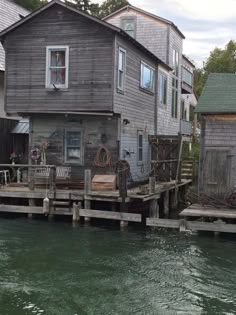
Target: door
217 172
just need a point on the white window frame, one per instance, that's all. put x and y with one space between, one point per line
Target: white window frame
123 71
139 133
48 61
80 162
144 64
163 76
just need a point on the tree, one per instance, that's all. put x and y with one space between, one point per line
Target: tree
31 5
222 60
219 61
199 78
82 5
110 6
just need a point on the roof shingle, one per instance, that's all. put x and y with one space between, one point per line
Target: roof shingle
219 94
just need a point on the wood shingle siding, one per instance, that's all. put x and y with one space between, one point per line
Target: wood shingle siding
159 36
137 106
90 64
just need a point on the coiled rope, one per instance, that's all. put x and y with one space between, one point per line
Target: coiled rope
103 157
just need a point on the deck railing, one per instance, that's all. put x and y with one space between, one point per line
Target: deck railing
31 173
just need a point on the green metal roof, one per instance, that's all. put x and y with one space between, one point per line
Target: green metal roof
219 94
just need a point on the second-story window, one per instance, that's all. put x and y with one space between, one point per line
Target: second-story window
175 84
121 69
57 66
140 146
128 24
147 77
162 88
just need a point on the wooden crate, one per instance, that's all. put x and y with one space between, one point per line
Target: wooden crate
104 182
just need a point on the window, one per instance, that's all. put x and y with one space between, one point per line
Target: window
162 88
121 68
128 24
187 76
140 146
147 77
73 150
175 84
183 111
57 66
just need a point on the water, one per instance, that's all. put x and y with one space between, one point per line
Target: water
55 269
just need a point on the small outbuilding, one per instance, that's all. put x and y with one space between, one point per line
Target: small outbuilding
217 106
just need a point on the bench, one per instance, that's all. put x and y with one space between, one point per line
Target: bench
62 172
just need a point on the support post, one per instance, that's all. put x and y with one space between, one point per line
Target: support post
154 209
87 190
166 201
52 179
122 175
151 185
31 178
75 212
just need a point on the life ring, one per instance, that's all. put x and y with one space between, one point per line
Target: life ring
35 154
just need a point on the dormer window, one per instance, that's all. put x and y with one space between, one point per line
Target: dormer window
57 67
128 24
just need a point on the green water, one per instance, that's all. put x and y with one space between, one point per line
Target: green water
52 268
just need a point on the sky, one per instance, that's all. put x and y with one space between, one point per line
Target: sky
206 24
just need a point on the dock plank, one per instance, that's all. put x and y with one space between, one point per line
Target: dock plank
198 210
120 216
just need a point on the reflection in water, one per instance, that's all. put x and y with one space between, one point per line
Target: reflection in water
55 269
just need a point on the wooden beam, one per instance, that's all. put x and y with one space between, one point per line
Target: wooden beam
210 212
120 216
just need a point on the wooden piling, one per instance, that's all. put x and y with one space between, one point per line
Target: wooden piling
152 185
87 190
75 212
154 209
52 179
123 191
166 203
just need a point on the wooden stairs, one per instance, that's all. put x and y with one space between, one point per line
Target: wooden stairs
187 169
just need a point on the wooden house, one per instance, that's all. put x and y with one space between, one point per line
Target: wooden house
217 106
88 88
164 39
10 12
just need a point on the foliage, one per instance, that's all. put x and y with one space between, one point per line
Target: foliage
106 8
31 5
110 6
222 60
199 78
219 61
82 5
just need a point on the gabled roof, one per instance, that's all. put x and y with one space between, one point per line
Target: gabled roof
218 95
103 23
156 17
10 12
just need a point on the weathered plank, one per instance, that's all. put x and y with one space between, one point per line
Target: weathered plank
208 212
120 216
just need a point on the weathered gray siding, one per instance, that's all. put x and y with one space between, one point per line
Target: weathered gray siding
218 134
150 32
10 13
90 64
160 38
2 113
52 128
138 107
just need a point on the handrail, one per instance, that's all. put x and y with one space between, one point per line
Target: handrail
31 175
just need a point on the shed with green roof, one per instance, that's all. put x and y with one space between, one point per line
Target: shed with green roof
217 106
